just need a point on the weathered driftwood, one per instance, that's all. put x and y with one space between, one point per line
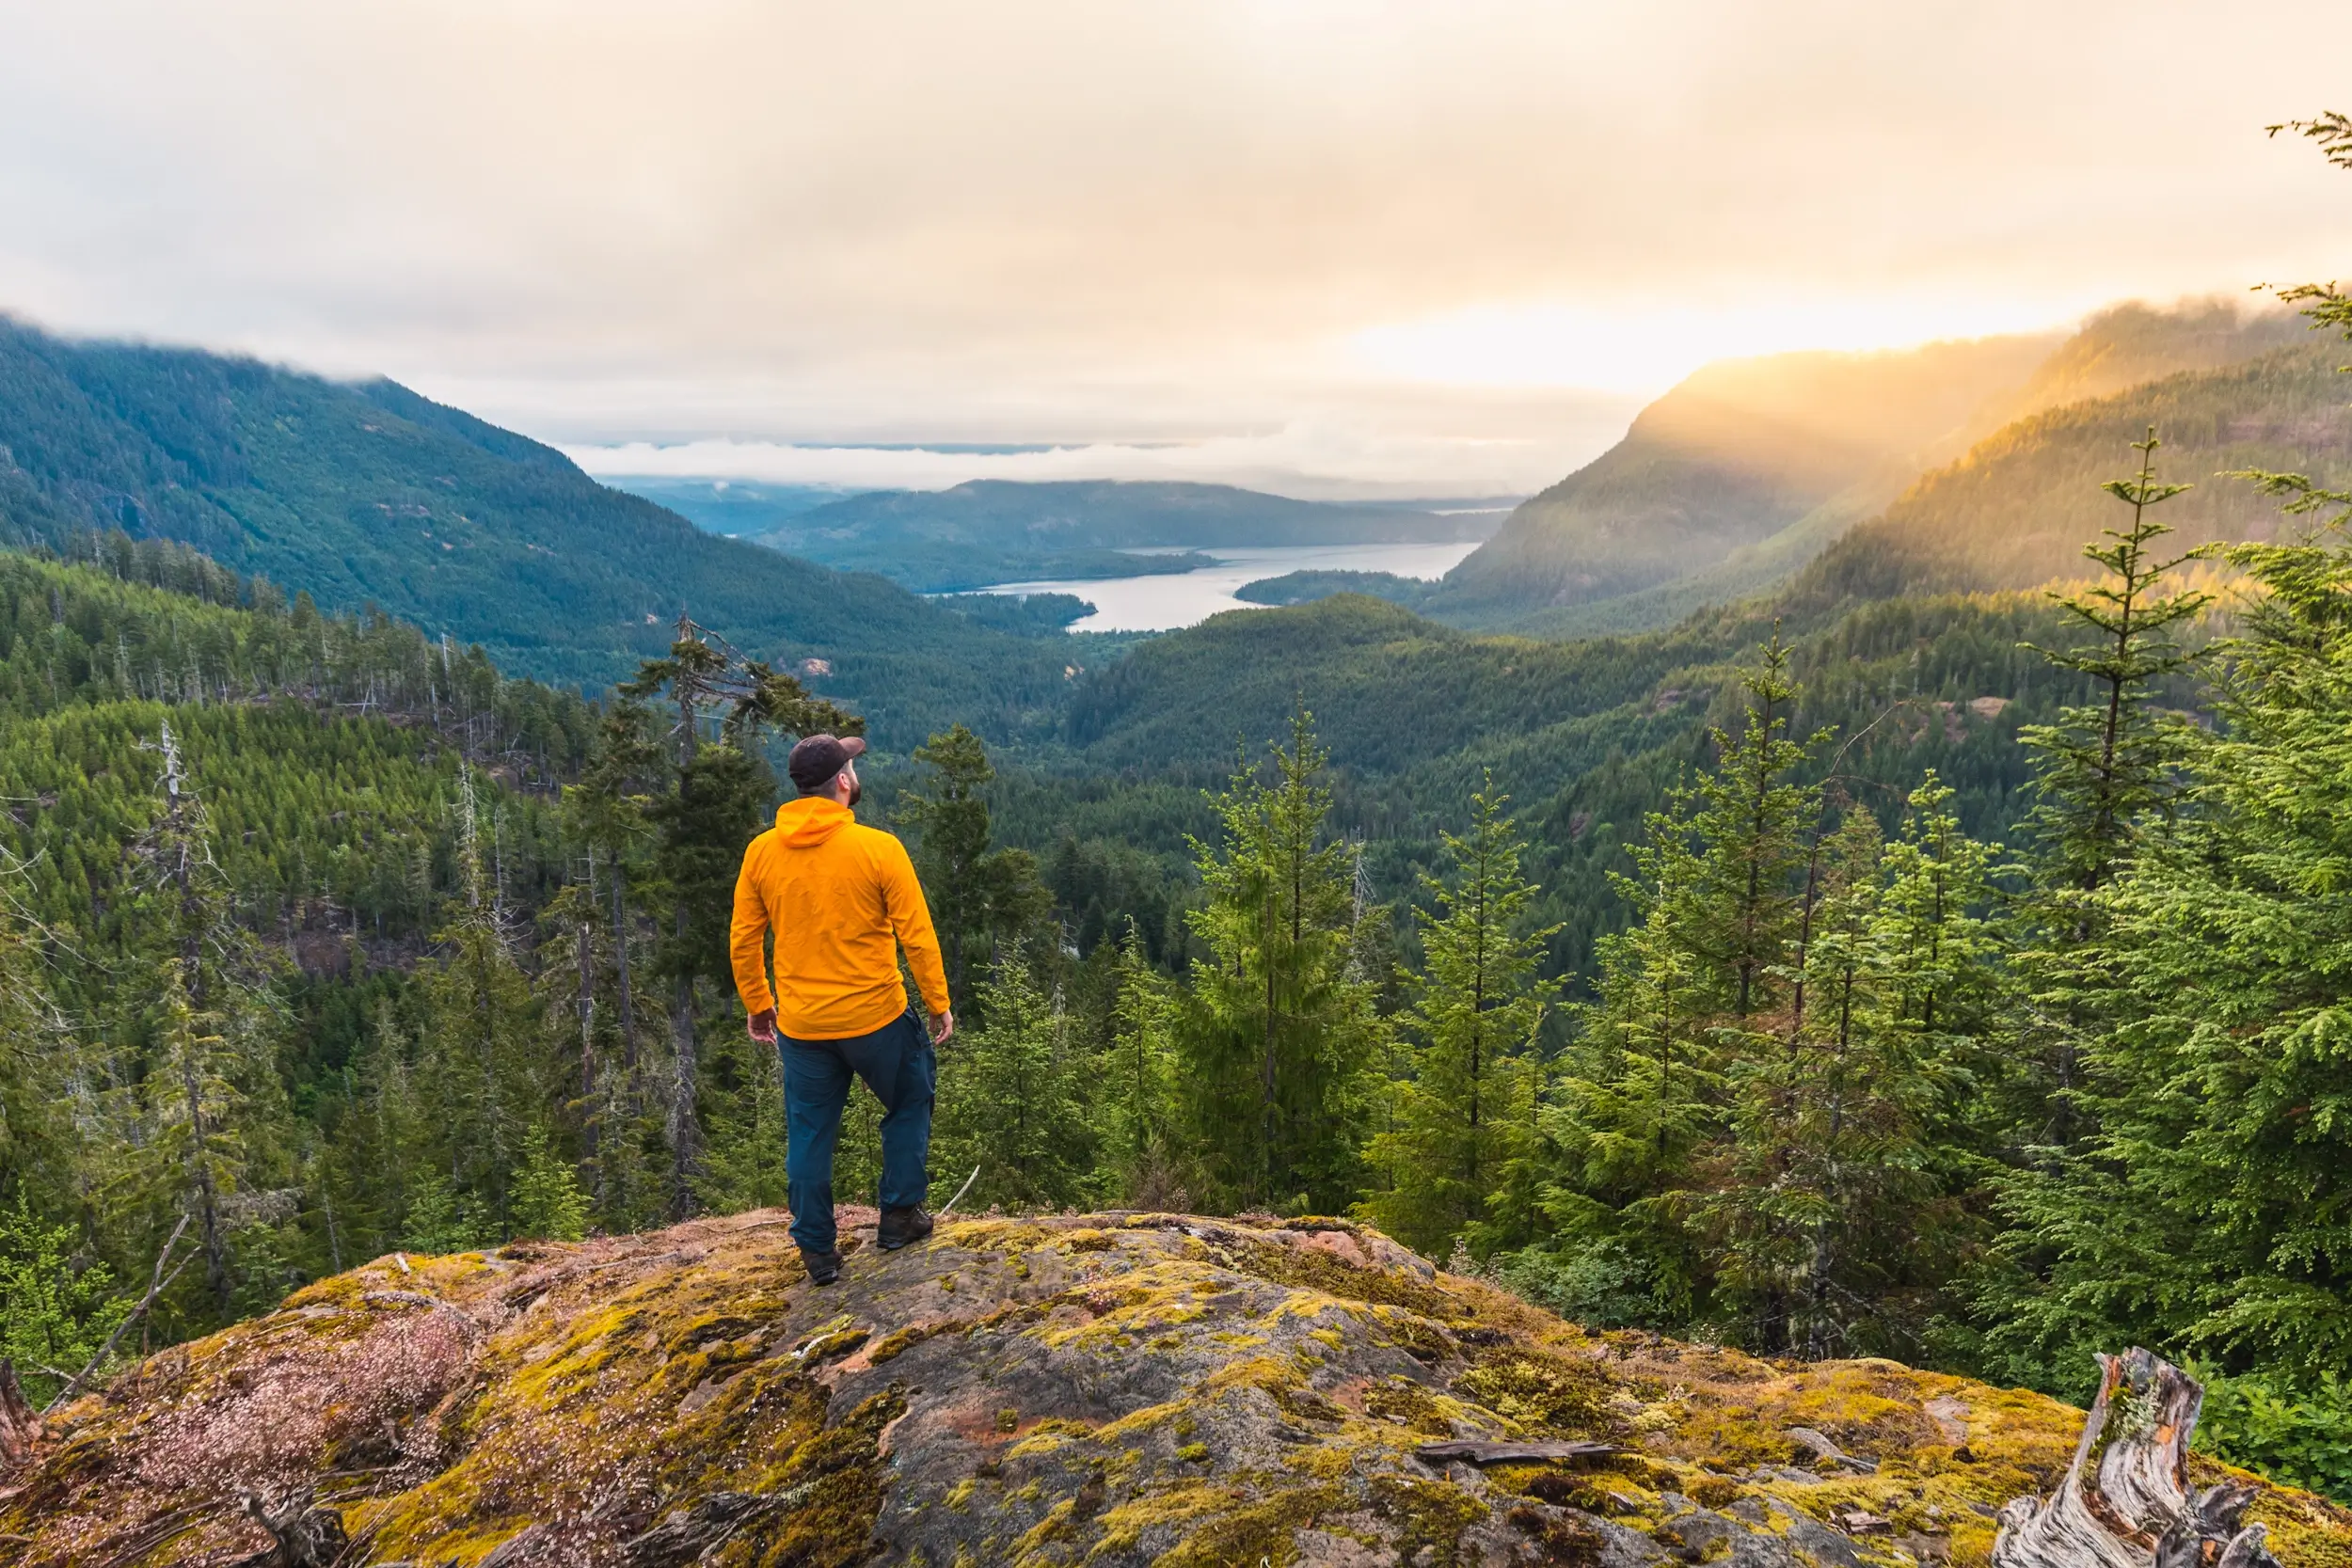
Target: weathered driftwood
1510 1453
302 1534
2126 1501
20 1423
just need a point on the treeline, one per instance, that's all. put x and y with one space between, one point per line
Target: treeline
112 621
1849 1081
1852 1081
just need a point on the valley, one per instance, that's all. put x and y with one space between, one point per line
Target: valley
1232 785
412 701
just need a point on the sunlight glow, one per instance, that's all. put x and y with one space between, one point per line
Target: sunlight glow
1641 348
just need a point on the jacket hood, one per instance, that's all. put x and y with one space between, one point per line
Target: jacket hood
808 822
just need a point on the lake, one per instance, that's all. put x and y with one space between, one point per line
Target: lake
1174 599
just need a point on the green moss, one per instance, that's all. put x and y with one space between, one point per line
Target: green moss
1259 1532
1427 1513
838 1477
1317 1270
1404 1402
1543 1395
1568 1540
893 1345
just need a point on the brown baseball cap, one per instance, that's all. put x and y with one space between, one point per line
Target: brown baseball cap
817 757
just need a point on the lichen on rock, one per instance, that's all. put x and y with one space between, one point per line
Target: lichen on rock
1105 1389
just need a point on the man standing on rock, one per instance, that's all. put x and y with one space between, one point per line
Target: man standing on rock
843 901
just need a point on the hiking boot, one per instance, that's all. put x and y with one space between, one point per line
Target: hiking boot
823 1267
900 1227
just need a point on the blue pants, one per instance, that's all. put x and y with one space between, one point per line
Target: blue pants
896 1063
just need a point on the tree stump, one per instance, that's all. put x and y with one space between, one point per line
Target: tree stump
2126 1501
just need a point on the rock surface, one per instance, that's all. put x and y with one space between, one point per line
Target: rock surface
1105 1389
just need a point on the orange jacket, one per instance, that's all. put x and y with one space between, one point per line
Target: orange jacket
841 898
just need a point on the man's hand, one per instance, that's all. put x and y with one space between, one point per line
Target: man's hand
763 1026
943 1025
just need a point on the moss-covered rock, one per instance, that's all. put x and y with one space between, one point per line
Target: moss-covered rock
1105 1389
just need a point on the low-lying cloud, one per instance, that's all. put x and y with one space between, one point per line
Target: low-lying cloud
1310 462
1059 221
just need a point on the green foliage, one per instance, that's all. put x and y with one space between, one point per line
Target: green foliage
2205 1211
1307 587
1014 1098
56 1304
1464 1116
547 1203
483 1065
983 900
1762 1127
1143 1160
441 1219
2103 766
1277 1036
2300 1435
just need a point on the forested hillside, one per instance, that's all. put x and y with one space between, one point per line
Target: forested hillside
1741 477
1950 975
370 495
2014 511
1730 457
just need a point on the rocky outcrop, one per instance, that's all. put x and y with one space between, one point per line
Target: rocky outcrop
1105 1389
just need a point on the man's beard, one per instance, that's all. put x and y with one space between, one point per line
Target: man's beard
857 792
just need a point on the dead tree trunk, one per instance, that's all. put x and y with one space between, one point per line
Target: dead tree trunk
20 1423
2126 1501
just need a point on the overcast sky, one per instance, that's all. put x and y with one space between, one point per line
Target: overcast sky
1328 247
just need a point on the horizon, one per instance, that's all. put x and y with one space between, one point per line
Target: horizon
1327 251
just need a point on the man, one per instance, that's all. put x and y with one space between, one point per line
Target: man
842 900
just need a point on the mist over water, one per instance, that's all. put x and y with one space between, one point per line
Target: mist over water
1163 603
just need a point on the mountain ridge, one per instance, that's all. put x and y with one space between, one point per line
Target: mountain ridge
1709 496
372 495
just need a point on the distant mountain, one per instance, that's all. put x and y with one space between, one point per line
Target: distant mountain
1730 457
370 494
1116 514
742 509
1000 531
1737 478
2018 510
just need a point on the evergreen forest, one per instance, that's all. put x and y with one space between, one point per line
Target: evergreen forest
1940 956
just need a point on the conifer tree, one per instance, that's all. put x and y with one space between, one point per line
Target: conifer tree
1013 1098
1143 1160
1835 1215
1473 1019
1277 1037
484 1071
1752 815
743 1164
982 899
2203 1213
40 1070
549 1204
718 793
1685 996
1637 1094
210 1101
2101 775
